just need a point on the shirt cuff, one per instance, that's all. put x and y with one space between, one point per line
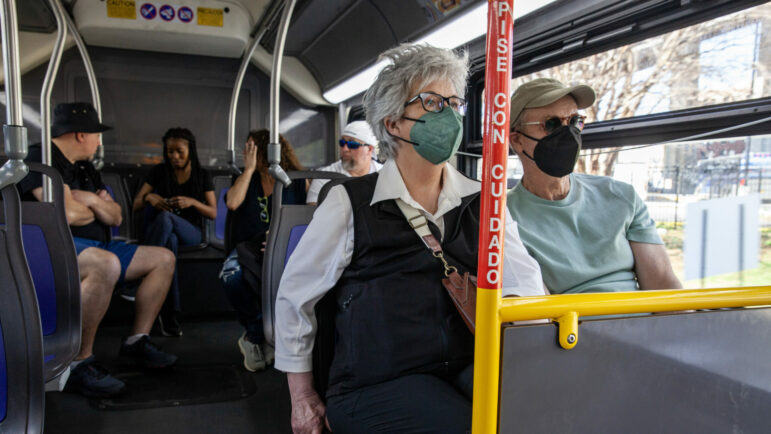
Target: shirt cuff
294 363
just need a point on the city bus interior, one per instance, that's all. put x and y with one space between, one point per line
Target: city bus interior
156 69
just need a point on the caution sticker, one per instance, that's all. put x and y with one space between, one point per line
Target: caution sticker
210 17
122 9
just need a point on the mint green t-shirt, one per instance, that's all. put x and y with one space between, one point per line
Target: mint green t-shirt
582 241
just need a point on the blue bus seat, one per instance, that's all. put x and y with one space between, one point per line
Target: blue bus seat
114 184
53 263
22 397
287 224
700 372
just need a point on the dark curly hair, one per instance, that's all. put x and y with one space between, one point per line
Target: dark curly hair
288 158
195 165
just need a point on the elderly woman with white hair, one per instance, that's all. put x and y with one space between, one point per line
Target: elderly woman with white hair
402 355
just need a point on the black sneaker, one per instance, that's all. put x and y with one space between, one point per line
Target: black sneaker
169 325
92 379
147 354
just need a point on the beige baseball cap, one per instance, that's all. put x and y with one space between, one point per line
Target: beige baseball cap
544 91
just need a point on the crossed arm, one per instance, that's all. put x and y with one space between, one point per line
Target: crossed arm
83 207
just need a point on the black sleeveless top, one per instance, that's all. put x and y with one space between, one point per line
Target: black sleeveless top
393 316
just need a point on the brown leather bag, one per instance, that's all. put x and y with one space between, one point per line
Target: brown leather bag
463 292
462 289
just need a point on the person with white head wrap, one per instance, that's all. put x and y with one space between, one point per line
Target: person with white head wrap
358 146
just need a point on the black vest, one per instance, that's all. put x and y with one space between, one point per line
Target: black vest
393 316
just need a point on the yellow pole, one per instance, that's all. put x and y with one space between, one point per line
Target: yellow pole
487 360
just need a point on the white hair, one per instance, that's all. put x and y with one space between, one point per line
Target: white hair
412 66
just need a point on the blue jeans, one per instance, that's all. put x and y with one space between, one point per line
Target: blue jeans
171 231
243 298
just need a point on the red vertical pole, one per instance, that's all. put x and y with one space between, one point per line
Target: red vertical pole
500 17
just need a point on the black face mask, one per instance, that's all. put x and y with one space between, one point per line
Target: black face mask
557 153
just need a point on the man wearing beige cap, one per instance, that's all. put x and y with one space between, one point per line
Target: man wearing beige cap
588 233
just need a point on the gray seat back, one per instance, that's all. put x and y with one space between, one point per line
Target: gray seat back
119 192
22 397
53 265
287 223
699 372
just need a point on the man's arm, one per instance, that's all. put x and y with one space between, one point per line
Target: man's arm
105 210
78 214
652 267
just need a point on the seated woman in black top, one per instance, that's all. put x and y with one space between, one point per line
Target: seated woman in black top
181 194
249 201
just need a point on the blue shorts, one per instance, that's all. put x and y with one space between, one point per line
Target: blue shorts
124 252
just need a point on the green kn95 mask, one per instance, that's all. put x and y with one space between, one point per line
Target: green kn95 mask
436 136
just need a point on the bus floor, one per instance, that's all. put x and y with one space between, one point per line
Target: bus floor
207 349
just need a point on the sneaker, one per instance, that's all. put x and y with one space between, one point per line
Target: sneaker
270 353
128 292
93 380
169 325
254 359
147 354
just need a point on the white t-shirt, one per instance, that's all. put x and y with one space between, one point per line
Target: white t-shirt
337 166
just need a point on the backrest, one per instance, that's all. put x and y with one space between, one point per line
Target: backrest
50 253
287 224
117 189
21 343
704 371
221 186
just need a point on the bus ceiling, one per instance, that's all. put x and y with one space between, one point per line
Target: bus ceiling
331 41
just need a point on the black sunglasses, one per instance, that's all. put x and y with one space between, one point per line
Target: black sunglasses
554 122
351 144
433 102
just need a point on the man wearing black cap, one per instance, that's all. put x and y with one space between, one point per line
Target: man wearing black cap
102 262
588 233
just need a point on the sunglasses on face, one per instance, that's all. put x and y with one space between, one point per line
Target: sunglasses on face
351 144
552 123
433 102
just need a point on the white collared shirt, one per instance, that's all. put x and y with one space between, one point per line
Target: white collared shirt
326 249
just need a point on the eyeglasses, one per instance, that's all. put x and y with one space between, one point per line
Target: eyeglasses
554 122
351 144
433 102
264 214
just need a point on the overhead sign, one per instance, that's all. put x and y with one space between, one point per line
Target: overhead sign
148 11
122 9
185 14
167 13
211 17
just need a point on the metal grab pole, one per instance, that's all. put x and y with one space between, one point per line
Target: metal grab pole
45 92
98 161
274 149
487 345
234 98
15 135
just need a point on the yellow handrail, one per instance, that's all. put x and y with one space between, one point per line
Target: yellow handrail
566 309
615 303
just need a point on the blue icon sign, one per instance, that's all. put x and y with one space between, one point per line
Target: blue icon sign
148 11
166 12
185 14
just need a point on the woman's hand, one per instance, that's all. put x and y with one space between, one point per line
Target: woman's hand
157 202
250 156
182 202
308 412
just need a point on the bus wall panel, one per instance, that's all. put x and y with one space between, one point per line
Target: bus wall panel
697 372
